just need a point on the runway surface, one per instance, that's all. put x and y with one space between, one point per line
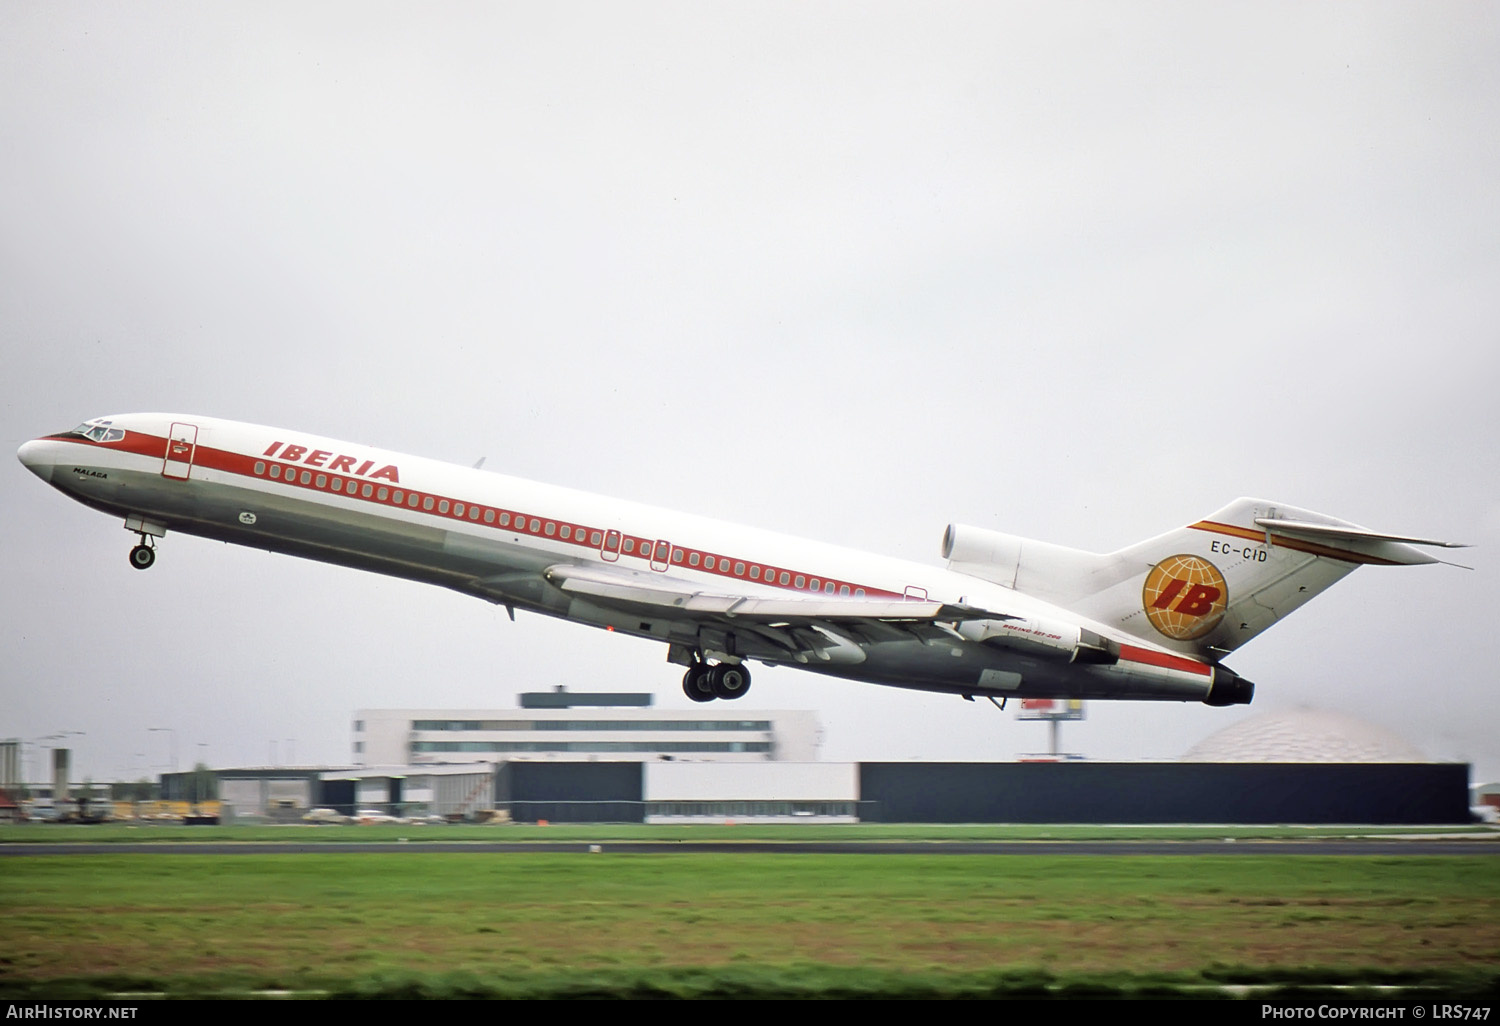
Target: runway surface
1116 848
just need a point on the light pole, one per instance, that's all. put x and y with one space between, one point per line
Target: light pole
200 768
173 732
172 736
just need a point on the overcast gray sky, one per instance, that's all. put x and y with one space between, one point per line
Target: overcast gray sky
1081 271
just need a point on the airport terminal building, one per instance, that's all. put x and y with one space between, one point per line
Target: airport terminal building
564 726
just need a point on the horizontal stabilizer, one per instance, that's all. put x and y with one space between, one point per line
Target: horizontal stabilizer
1376 546
1307 529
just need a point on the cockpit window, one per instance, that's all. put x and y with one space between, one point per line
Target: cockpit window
98 431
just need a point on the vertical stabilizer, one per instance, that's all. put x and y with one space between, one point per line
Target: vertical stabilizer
1204 589
1212 586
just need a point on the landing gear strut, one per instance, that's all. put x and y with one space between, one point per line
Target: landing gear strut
143 555
704 683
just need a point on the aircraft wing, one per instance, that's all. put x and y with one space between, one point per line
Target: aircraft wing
823 628
666 595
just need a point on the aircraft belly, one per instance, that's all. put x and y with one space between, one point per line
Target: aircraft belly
980 670
642 625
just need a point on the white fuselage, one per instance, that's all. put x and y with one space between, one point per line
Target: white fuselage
500 538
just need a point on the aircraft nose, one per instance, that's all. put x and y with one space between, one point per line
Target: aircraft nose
36 457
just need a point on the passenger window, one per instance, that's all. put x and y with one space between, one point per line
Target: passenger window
693 559
596 538
739 569
442 505
504 519
307 477
677 555
755 573
843 589
322 480
489 516
458 509
551 529
566 532
411 500
427 502
859 593
629 544
473 512
275 471
381 494
785 578
367 491
397 496
828 587
799 581
260 468
535 525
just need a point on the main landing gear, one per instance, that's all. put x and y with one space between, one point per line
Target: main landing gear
143 555
704 683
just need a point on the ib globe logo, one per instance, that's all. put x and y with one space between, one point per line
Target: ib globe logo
1185 597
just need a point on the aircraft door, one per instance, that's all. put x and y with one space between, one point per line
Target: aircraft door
661 555
182 445
610 550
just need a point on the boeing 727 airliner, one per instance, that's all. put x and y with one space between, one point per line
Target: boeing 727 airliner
1008 617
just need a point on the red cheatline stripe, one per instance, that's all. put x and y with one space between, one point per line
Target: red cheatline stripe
1153 658
1281 540
229 462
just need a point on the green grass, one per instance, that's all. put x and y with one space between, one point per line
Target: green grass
618 924
120 832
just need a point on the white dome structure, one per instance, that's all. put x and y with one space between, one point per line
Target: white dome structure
1304 735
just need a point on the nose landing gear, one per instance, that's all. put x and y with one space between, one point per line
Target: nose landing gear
143 555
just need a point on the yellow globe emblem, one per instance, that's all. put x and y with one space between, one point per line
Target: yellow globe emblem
1184 597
